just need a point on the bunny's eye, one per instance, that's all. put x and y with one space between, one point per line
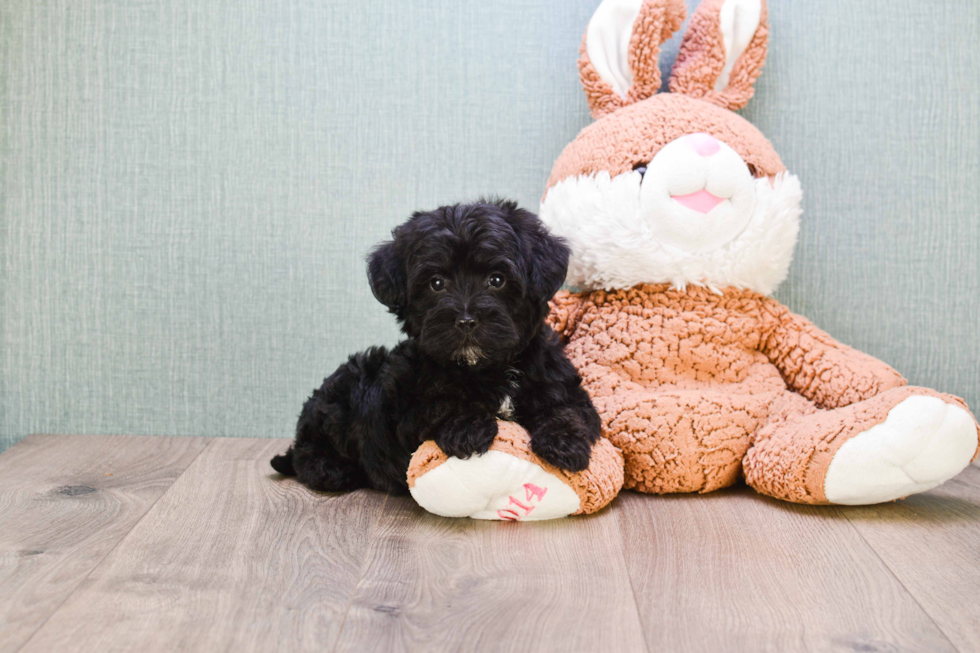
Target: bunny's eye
640 168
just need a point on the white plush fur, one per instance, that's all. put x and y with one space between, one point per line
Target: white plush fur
614 246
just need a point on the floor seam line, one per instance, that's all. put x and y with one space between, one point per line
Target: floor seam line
629 577
114 547
899 581
360 574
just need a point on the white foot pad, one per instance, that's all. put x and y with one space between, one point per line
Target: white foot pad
922 443
495 485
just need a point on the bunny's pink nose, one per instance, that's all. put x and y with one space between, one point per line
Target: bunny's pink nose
704 144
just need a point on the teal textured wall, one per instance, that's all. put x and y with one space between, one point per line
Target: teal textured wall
188 189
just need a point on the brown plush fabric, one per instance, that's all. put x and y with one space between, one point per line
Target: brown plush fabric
595 487
686 380
701 59
656 22
635 134
426 458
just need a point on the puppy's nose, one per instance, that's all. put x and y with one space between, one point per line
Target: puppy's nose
466 323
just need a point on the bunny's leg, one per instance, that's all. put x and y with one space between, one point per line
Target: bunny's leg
682 440
900 442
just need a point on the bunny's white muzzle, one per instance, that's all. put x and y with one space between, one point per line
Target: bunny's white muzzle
697 194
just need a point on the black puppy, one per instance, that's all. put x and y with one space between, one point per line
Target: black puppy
470 286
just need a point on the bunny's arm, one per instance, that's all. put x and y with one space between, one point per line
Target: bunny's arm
566 311
812 363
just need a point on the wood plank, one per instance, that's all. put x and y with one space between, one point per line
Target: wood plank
233 558
434 584
931 542
65 502
736 571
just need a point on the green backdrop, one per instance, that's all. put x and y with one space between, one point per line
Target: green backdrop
189 188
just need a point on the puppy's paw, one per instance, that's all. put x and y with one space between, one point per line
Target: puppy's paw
569 454
465 435
565 439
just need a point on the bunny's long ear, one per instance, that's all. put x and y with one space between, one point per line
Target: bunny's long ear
723 51
618 62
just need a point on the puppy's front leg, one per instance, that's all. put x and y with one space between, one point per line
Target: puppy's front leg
464 435
557 411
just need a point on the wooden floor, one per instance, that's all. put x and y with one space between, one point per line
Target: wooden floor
172 544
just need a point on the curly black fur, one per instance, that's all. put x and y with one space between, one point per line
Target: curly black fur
469 285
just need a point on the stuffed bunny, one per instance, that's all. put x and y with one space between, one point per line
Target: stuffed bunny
682 220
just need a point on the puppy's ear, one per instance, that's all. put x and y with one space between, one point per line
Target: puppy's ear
546 255
386 274
549 263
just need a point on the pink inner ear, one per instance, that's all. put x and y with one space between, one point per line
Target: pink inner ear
701 201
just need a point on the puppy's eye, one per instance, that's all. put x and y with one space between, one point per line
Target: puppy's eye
640 168
495 281
438 284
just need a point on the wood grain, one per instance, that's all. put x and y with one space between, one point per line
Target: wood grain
233 558
931 542
434 584
65 502
735 571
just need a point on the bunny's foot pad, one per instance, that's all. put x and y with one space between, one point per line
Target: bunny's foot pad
510 483
923 442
